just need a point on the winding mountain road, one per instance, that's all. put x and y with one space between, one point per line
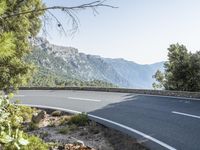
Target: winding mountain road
160 122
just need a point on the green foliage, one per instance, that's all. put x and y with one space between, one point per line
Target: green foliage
79 120
35 143
10 123
11 135
32 126
14 41
56 113
64 130
7 46
67 129
26 112
3 7
159 76
47 78
182 70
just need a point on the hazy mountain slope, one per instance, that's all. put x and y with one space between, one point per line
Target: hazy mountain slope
68 63
139 76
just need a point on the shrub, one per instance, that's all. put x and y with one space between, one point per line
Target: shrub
32 126
35 143
64 120
56 113
11 135
67 129
52 123
64 130
79 120
26 112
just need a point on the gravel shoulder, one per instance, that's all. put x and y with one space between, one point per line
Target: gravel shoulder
54 127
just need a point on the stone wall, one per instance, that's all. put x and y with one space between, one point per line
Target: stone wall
123 90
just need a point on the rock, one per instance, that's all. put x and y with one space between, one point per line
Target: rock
56 113
79 142
37 118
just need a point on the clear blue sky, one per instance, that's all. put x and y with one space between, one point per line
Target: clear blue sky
139 30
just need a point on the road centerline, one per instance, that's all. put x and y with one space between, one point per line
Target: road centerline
84 99
185 114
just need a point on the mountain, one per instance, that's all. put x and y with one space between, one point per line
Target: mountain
138 76
67 63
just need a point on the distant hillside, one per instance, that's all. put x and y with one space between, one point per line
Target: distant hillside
138 76
57 63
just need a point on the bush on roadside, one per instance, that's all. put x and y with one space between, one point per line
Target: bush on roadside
26 112
11 135
35 143
56 113
79 120
64 120
32 126
67 129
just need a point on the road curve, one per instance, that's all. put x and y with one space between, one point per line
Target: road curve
160 122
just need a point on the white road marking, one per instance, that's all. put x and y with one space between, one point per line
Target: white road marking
174 97
184 114
137 132
49 107
84 99
109 121
19 95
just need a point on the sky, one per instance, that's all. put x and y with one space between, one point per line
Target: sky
138 30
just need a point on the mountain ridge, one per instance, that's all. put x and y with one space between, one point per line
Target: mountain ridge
68 62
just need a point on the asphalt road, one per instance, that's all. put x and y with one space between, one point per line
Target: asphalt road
159 122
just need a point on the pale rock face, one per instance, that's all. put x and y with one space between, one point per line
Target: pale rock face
68 62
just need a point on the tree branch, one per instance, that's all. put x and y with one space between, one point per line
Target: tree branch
92 5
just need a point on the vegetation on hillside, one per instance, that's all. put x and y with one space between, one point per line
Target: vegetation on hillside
47 78
53 71
182 70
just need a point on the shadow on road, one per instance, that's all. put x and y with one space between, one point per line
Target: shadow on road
153 116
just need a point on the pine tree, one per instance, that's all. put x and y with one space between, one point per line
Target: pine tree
14 41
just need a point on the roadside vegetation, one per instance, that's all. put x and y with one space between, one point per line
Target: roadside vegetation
12 136
182 70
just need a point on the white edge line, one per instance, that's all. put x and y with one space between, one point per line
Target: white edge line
109 121
184 114
84 99
135 131
175 97
49 107
19 95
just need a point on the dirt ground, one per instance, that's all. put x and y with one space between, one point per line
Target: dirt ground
92 136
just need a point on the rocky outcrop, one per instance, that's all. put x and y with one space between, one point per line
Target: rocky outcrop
40 116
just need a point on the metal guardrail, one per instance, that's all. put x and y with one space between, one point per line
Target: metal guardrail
123 90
